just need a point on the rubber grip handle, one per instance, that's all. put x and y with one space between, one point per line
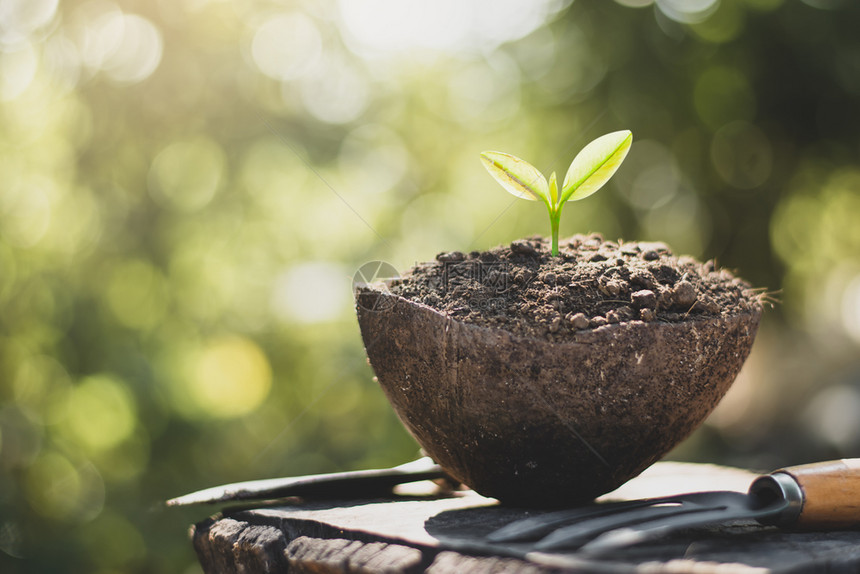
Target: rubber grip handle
831 493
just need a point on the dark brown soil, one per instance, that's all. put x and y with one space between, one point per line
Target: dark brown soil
593 282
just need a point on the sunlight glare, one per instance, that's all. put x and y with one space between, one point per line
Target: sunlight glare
389 27
312 292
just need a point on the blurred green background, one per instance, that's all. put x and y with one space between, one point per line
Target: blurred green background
187 186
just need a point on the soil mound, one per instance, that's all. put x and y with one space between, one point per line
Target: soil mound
523 289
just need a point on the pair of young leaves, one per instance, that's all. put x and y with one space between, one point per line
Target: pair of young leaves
590 169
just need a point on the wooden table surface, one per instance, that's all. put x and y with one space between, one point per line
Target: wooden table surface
414 532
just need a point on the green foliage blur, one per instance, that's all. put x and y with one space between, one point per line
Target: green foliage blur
187 186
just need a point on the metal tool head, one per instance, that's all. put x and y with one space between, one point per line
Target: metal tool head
599 528
333 485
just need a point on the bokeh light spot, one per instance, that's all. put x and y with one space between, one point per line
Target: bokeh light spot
52 486
375 156
688 11
185 175
127 461
230 378
793 227
8 271
814 231
38 379
136 294
113 541
742 155
27 217
76 223
426 222
17 70
62 61
286 46
722 94
312 292
390 27
652 175
138 54
202 280
635 3
482 92
851 308
273 176
126 47
95 32
22 437
825 4
537 53
100 413
20 18
723 25
654 187
335 93
682 223
834 415
764 5
59 490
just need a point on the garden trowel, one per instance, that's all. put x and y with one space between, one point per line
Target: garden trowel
338 484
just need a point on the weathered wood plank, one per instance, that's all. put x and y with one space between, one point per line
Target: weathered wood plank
214 540
339 556
226 546
410 535
456 563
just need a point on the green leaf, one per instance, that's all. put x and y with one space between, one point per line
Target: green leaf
553 189
517 176
595 164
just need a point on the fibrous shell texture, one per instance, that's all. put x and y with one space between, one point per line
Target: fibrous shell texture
533 421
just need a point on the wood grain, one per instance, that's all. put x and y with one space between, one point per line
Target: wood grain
307 555
226 546
831 493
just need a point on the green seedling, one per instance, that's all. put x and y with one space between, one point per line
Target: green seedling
588 171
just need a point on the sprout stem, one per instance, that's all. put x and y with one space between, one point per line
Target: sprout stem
554 218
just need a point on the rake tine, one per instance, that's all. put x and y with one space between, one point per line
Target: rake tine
539 526
576 535
634 534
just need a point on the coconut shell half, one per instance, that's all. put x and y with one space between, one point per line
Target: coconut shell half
540 423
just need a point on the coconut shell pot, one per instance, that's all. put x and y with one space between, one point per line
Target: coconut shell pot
532 421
